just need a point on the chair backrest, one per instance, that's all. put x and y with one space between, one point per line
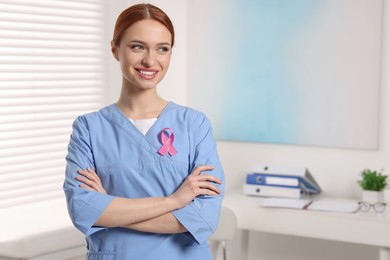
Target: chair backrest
227 226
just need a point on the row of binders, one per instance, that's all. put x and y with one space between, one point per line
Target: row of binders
280 181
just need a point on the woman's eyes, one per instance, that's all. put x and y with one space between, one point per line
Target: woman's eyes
163 49
139 47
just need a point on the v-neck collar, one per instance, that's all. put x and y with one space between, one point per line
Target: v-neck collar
124 117
147 142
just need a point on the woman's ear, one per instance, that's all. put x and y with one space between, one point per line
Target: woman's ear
114 50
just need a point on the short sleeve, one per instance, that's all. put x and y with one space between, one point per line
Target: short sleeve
84 206
201 216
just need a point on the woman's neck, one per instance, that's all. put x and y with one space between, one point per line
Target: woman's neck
141 105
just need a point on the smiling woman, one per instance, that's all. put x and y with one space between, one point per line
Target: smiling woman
143 177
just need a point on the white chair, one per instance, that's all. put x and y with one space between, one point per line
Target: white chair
225 231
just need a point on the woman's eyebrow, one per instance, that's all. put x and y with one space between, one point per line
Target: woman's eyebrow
164 43
145 43
137 41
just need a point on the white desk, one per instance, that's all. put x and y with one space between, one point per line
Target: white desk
361 228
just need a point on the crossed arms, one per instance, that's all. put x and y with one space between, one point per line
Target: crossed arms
152 214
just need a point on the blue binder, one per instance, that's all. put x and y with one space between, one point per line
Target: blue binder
284 180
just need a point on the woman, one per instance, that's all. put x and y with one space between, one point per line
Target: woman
143 178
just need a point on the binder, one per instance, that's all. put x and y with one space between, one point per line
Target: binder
302 175
272 191
286 181
272 179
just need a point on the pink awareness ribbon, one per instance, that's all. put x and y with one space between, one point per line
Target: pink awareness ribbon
167 137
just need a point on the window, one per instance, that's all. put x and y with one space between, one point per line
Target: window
51 70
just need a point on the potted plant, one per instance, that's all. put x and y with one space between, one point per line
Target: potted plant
373 184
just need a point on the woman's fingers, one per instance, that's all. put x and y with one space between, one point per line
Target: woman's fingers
197 174
209 186
197 187
85 187
208 177
89 173
198 170
208 192
86 181
203 184
90 180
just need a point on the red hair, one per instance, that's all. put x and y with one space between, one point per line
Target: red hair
138 13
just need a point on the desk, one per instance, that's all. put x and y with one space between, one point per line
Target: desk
361 228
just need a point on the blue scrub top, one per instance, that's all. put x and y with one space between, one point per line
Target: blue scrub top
130 166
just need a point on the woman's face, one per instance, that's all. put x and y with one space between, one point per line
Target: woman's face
144 53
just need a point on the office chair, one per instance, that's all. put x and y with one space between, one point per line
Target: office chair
225 231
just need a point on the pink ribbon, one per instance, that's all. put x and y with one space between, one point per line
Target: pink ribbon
167 137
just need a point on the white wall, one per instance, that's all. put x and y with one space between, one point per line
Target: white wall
114 73
336 170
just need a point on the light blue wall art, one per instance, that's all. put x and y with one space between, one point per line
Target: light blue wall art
287 71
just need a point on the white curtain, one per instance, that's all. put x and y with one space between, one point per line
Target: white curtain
51 70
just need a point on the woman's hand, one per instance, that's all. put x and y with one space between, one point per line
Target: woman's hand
90 180
196 184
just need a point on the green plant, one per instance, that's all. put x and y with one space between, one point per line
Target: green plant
373 180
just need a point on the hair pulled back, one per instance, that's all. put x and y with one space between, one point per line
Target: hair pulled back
138 13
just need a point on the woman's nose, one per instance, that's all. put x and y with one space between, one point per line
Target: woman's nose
148 60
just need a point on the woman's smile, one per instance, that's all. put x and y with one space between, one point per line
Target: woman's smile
147 74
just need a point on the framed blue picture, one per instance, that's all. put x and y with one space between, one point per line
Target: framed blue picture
301 72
